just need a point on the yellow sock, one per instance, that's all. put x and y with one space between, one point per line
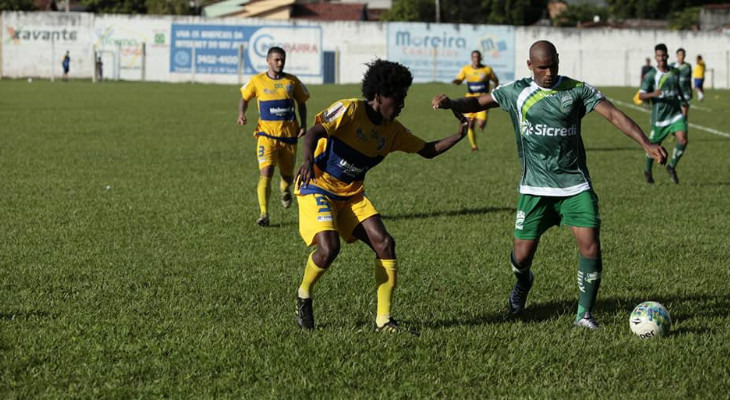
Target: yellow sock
264 192
386 275
283 186
472 138
312 273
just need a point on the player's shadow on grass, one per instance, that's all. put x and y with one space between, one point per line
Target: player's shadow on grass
689 310
452 213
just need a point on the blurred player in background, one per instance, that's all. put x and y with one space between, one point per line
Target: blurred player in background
478 77
555 188
66 65
277 130
699 77
347 140
685 79
662 87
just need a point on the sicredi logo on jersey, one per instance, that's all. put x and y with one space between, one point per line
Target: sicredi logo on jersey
543 130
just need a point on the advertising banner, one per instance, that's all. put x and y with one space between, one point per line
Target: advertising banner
436 52
217 48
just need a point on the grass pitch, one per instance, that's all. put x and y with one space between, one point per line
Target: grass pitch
131 267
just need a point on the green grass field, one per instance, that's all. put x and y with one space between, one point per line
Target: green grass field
131 267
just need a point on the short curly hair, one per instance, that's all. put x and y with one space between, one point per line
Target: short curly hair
385 78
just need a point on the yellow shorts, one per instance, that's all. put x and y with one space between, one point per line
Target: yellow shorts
482 115
319 213
272 152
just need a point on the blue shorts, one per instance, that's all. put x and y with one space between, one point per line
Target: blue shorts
699 82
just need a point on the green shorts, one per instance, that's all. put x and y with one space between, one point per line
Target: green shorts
659 133
536 214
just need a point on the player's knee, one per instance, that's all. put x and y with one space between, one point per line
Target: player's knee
385 246
591 250
327 251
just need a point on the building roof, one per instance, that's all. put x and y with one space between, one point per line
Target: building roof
331 11
223 8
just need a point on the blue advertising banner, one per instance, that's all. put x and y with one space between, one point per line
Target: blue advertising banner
217 46
437 52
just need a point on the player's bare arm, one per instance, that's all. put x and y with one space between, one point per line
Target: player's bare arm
242 107
456 81
631 129
306 172
435 148
302 107
464 104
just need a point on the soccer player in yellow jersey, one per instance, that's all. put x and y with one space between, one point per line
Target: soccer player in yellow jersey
699 78
477 76
348 139
277 130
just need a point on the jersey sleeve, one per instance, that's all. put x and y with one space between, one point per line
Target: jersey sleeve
248 91
405 141
501 94
335 116
462 74
647 86
591 97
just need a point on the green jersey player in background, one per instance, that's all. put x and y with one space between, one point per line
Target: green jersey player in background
555 188
662 86
685 78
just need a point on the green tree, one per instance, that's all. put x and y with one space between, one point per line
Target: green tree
686 19
17 5
411 11
116 6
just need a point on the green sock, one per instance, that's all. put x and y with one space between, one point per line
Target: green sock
522 272
589 279
677 154
649 163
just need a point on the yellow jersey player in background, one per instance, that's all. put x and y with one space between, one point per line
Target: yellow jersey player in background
477 76
277 130
347 140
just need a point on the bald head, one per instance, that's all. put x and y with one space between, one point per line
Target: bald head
543 63
542 49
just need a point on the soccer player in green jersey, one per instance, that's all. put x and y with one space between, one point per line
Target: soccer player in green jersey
685 78
555 188
662 86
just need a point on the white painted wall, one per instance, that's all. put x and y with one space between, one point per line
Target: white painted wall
602 57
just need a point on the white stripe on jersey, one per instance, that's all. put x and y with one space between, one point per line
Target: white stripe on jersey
554 192
668 122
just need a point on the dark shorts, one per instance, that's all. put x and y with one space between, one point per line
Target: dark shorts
699 82
65 70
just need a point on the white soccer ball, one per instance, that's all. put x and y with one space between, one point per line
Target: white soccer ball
649 320
30 80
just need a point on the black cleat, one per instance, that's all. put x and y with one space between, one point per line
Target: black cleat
587 322
518 297
305 315
263 221
648 177
672 174
392 326
286 198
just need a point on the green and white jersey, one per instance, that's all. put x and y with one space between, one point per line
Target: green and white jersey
547 129
667 108
685 79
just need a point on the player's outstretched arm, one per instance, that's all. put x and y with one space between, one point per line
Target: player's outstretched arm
432 149
306 171
464 104
631 129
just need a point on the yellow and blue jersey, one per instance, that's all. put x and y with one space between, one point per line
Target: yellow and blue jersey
477 79
276 98
353 146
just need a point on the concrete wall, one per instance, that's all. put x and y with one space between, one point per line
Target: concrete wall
33 45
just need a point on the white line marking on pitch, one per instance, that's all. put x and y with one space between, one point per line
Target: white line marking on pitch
691 125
